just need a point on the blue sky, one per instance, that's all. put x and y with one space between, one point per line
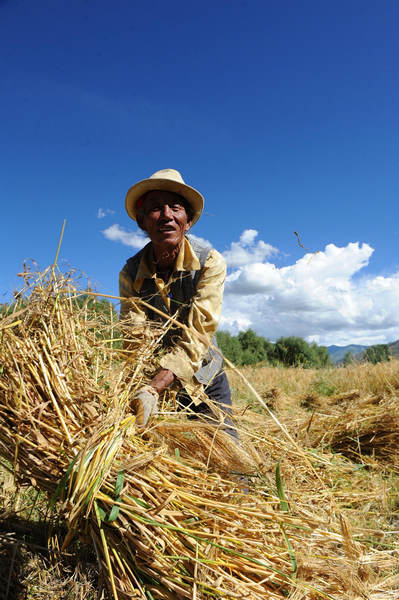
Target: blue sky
283 114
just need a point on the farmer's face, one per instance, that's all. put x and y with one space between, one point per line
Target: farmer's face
164 219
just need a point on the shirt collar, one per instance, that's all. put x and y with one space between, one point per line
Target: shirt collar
186 261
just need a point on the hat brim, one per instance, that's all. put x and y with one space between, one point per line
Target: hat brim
193 197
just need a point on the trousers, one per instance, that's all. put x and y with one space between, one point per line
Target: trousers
218 390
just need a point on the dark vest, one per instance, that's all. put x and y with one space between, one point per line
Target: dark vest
182 292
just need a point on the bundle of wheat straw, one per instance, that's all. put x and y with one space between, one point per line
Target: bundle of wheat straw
366 426
163 519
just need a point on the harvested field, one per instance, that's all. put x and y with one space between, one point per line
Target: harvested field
298 510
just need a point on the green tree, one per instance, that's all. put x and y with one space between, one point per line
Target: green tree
246 348
255 348
348 359
377 353
322 356
296 352
230 346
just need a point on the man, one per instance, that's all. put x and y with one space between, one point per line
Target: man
181 277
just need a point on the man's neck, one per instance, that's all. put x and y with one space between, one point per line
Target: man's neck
165 258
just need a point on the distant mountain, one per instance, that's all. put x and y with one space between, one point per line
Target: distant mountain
394 346
337 353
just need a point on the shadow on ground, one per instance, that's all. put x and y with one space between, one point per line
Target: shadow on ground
27 571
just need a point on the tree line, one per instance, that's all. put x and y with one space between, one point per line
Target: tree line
248 348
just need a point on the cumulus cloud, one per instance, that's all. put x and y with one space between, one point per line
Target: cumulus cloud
134 239
248 237
247 251
104 212
321 297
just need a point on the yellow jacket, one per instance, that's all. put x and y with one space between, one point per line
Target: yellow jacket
185 357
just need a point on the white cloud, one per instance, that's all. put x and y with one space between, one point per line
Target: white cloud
320 297
246 251
104 212
134 239
248 236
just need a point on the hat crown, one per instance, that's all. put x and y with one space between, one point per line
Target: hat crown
168 180
171 174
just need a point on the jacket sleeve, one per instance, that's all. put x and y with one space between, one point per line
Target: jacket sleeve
185 358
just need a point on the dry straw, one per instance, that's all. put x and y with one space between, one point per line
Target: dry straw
167 510
360 427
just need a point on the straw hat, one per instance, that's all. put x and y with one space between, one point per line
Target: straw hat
168 180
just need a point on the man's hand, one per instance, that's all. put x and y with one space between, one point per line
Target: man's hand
163 379
144 403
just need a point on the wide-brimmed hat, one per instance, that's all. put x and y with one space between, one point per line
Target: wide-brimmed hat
168 180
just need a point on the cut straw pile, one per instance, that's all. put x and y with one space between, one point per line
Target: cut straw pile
166 511
360 426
